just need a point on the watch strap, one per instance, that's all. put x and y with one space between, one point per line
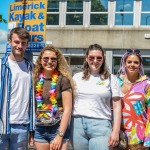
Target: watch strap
60 133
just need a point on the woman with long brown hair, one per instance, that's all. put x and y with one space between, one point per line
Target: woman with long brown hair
135 87
95 88
53 95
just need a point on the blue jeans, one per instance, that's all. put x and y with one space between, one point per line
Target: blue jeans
46 134
17 140
90 133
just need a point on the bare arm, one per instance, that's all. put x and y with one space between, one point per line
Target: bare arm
67 109
117 114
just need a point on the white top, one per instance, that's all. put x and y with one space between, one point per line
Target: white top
20 88
92 97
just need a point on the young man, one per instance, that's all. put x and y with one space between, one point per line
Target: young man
16 98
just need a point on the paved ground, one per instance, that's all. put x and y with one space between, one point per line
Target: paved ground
69 147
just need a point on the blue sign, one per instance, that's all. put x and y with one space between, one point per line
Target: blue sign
32 47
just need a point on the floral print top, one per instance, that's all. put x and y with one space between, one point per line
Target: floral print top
136 112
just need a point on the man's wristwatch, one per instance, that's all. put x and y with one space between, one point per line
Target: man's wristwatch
60 133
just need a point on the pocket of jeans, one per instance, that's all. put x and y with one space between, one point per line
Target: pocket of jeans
40 129
101 127
102 122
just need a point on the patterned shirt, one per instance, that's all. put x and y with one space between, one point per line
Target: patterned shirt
136 112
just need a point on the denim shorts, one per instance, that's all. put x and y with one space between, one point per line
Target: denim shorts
90 133
46 134
17 140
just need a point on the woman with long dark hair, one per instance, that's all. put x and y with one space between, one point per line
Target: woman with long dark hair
95 88
136 100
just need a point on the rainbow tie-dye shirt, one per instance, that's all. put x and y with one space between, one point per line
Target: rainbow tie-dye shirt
136 112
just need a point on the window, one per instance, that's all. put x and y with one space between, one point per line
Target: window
124 12
53 12
145 5
146 62
76 64
116 64
99 12
145 15
74 14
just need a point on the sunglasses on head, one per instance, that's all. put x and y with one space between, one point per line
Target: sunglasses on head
136 51
92 58
46 59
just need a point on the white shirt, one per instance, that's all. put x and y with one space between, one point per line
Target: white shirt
20 88
92 97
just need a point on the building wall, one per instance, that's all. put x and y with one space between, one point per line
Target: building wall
121 25
109 38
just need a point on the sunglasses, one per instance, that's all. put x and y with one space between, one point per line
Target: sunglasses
92 58
136 51
46 59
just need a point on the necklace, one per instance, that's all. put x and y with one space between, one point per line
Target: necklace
126 81
53 93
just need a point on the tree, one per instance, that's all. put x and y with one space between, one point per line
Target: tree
98 19
74 6
77 19
2 20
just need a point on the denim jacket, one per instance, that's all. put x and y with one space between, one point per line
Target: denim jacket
5 92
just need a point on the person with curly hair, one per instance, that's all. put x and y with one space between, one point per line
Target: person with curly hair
135 86
95 89
53 95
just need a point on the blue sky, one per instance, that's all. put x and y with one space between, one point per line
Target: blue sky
4 4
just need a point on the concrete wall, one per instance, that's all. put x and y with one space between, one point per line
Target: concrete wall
113 38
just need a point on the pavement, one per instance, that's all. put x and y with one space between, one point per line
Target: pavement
69 147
